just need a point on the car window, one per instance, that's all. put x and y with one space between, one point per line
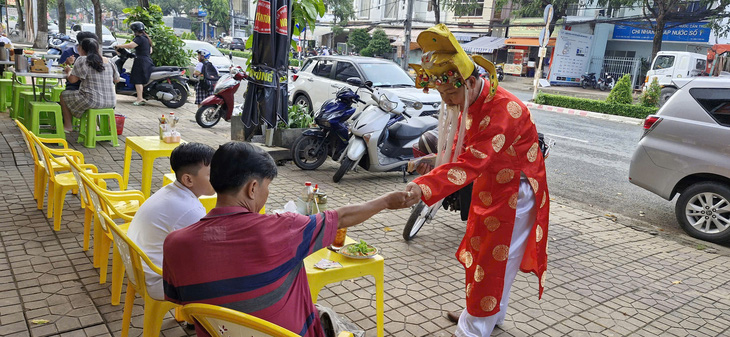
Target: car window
701 64
92 28
715 101
663 62
345 70
197 45
308 65
323 68
386 75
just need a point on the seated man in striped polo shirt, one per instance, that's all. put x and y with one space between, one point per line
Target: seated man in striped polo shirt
253 263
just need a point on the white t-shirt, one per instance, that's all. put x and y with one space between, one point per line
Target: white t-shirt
171 208
199 67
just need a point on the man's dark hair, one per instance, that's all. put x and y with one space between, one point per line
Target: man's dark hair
475 72
81 36
189 157
234 164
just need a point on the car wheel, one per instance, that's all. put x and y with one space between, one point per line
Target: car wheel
703 211
303 102
665 94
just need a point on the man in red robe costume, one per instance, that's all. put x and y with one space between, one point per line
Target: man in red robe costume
486 137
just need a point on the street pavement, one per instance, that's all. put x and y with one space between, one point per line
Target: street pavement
604 278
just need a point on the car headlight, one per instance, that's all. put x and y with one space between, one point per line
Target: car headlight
386 104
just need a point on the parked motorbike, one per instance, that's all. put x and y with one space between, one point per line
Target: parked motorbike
382 140
606 82
221 102
500 72
588 80
311 149
458 201
167 84
58 43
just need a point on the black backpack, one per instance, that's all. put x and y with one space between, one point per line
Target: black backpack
210 76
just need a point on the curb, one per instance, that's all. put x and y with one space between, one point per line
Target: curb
567 111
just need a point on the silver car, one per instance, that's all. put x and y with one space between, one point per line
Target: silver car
685 150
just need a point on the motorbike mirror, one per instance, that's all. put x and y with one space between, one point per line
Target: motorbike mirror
354 81
369 84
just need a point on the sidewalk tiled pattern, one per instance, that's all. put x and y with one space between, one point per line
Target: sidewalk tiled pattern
605 279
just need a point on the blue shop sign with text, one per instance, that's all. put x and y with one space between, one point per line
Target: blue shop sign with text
689 32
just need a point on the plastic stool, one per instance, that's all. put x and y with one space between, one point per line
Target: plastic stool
76 122
56 93
39 110
16 111
6 93
88 133
7 75
24 102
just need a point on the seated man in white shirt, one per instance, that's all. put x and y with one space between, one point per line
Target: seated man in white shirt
173 207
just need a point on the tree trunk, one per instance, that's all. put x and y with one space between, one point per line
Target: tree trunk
436 10
21 19
41 37
97 19
144 3
658 36
62 16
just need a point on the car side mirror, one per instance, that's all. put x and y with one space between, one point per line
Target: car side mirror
354 81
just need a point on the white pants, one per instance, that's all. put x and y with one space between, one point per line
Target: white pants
470 326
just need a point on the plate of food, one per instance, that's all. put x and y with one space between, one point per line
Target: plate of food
360 250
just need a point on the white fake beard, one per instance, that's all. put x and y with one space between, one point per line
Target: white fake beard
448 125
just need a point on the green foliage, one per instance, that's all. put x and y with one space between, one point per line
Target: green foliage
127 37
188 36
176 6
298 117
366 52
650 97
219 13
627 110
341 9
167 48
621 92
379 43
359 38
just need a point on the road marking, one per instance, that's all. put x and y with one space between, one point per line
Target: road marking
568 138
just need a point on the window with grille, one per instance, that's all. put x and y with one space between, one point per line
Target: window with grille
391 9
469 8
364 9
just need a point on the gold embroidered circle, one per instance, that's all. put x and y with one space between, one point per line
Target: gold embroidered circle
484 123
505 175
538 233
456 176
478 274
475 242
544 198
476 153
466 258
468 121
469 288
492 223
513 201
425 190
532 152
486 198
488 303
500 253
514 109
534 184
498 142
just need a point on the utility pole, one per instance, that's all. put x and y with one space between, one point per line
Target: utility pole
233 19
544 40
407 42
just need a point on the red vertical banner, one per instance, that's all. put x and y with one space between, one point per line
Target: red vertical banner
262 23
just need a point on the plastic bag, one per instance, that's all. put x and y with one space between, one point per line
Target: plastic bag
333 324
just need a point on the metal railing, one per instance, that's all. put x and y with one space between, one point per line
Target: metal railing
617 67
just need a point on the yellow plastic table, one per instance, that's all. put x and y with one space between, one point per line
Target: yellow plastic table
208 201
149 147
351 268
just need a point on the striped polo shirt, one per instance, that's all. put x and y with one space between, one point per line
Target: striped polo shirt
249 262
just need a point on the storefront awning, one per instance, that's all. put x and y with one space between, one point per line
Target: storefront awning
527 41
484 45
464 37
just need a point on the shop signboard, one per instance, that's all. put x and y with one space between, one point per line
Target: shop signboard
530 27
513 69
636 30
571 57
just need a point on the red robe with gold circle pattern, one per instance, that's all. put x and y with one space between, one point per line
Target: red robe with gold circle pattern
500 144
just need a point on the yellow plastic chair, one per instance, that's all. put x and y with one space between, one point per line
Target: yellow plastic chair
58 183
103 202
40 180
99 179
134 259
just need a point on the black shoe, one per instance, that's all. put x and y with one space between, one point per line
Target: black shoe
453 316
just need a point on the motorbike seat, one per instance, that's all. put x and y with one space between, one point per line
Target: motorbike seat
591 74
411 128
166 68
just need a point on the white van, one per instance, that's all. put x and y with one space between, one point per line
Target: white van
669 65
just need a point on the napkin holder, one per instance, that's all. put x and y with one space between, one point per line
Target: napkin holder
39 66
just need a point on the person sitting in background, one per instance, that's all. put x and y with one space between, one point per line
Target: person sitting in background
68 57
173 207
97 75
250 262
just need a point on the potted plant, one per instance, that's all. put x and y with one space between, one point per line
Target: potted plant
285 134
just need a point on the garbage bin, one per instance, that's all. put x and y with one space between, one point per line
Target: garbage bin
120 123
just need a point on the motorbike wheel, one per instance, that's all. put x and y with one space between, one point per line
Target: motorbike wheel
583 84
500 77
419 216
181 96
207 116
344 167
302 152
